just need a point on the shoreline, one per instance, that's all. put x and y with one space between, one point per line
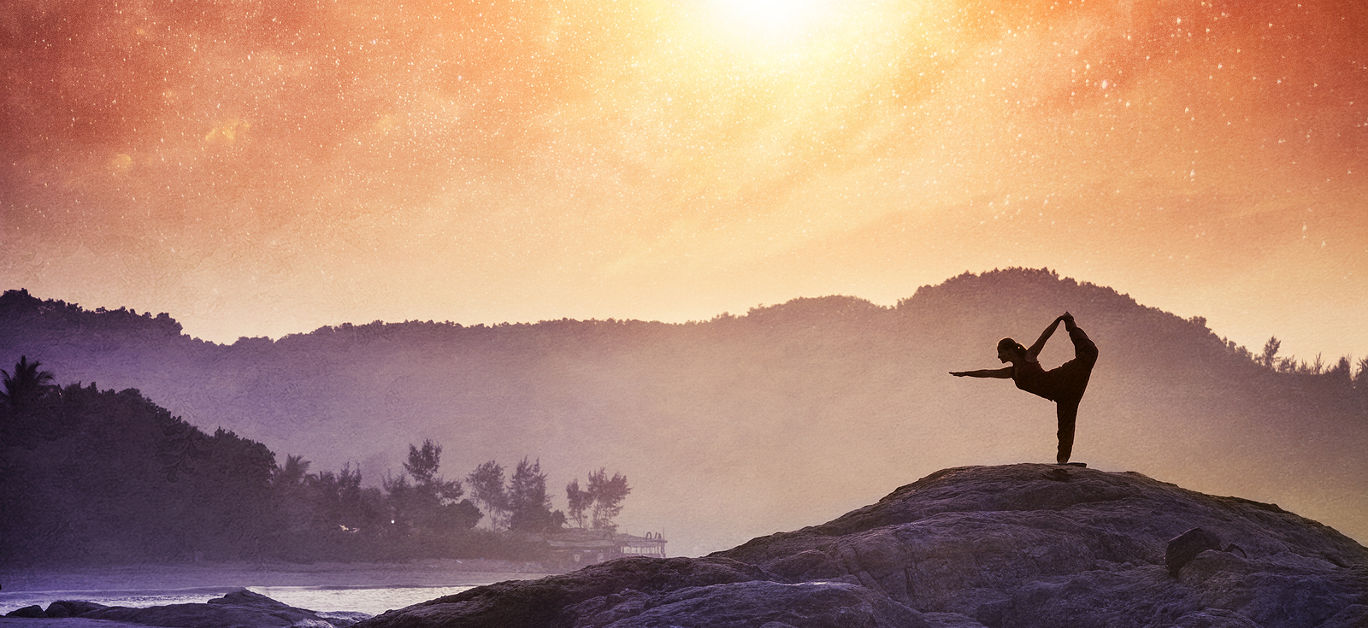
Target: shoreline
144 585
192 576
67 622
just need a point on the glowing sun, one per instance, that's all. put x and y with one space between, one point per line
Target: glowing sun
772 21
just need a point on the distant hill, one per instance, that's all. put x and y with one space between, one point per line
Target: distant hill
739 425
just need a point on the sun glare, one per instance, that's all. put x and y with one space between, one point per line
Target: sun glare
772 21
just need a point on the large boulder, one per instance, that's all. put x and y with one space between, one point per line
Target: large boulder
1186 547
27 612
71 608
241 608
1020 545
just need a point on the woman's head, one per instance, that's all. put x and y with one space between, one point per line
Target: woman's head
1009 349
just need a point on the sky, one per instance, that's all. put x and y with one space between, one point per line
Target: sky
258 168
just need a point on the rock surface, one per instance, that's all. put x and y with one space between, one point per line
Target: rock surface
70 608
240 608
1186 547
27 612
1020 545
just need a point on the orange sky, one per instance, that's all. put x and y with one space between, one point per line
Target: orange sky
261 168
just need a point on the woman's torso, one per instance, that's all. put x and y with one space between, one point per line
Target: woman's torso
1030 377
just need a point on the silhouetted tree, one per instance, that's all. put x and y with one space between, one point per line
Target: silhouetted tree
344 502
26 385
1270 352
288 482
487 488
431 503
608 494
422 463
529 506
403 503
293 473
578 502
1341 372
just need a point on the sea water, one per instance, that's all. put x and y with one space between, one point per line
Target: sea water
371 600
370 588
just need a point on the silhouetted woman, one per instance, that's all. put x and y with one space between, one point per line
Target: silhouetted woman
1063 385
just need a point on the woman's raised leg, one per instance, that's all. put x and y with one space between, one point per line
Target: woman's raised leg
1084 348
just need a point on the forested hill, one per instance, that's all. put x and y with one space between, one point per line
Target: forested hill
92 476
744 424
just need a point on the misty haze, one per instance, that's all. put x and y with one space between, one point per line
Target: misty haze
737 426
726 429
715 313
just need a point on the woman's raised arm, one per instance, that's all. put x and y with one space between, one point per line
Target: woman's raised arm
1002 373
1034 351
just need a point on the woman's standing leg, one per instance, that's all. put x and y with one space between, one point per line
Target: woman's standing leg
1074 376
1068 416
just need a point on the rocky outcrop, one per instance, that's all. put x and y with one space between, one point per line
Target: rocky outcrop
1021 545
1187 546
68 608
241 608
607 589
27 612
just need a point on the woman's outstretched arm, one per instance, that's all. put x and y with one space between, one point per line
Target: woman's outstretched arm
1002 373
1034 351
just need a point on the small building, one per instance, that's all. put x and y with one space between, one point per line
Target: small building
577 547
653 545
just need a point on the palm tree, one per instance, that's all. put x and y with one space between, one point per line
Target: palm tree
294 473
26 384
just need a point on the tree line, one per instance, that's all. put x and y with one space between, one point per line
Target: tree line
1344 369
98 476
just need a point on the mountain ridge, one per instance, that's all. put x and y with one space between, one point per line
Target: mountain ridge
705 415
